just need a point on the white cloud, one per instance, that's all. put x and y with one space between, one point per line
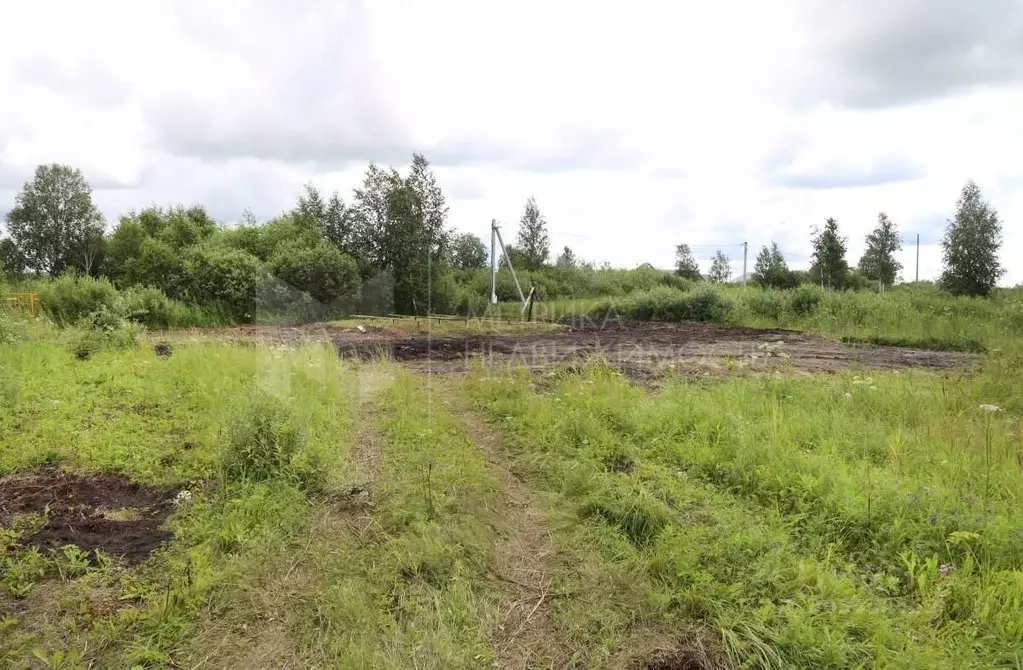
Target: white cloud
635 125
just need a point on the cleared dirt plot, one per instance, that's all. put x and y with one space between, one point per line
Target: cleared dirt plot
652 347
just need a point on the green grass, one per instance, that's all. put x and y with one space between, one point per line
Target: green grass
858 519
163 421
807 528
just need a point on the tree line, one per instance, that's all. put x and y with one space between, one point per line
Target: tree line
387 248
970 247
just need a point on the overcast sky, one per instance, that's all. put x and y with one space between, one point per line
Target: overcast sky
636 125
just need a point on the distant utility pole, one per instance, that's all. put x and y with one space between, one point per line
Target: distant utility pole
493 261
745 247
918 256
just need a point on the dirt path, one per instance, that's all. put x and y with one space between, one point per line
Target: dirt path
524 560
368 443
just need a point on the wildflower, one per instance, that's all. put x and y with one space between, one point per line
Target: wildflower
847 396
184 497
946 569
984 407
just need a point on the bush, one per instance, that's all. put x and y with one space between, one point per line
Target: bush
265 441
322 271
225 278
766 303
70 298
150 307
667 304
106 328
804 299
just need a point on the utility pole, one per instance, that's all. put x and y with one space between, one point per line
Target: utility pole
493 261
918 256
745 247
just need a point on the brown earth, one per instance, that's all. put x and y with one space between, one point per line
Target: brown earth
642 349
92 511
651 348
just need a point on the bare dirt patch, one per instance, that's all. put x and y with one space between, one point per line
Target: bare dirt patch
651 349
103 512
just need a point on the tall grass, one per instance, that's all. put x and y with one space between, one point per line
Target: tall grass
812 528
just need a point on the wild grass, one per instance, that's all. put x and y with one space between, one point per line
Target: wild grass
807 527
859 519
163 421
410 588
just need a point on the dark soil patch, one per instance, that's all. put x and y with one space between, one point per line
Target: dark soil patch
650 350
92 511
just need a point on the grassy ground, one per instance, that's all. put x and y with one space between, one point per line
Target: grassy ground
363 516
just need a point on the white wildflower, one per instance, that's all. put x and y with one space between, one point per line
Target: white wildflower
984 407
847 396
184 497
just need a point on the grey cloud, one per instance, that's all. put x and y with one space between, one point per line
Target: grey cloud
85 78
14 178
312 98
225 189
881 53
883 171
575 150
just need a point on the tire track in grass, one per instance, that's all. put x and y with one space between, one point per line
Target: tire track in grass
370 380
271 636
525 558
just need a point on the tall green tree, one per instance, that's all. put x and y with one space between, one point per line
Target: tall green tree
771 270
54 222
970 246
12 261
467 252
829 267
720 268
532 240
878 261
333 219
566 259
403 217
685 263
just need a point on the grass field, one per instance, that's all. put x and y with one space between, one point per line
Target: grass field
327 513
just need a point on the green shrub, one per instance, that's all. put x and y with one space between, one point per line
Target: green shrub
70 298
225 278
709 305
322 271
265 441
804 299
766 303
152 308
667 304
